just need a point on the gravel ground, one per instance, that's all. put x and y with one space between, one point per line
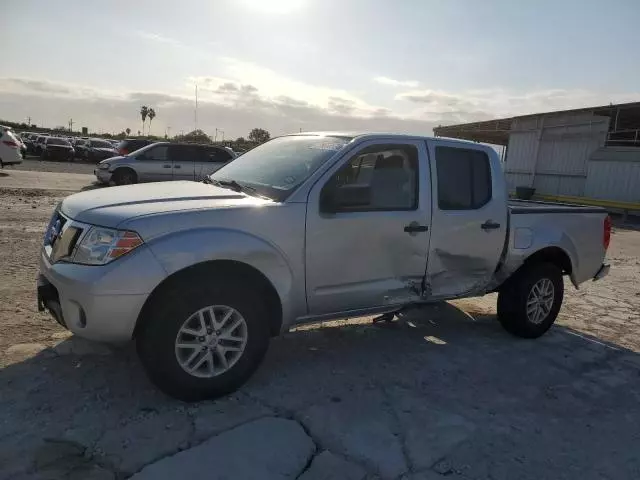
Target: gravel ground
442 393
32 163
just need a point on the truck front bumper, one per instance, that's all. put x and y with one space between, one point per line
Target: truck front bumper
603 272
100 303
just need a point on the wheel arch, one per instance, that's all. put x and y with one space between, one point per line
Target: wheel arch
554 255
253 277
124 168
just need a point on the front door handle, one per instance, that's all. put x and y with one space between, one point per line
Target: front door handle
489 225
415 227
166 166
176 166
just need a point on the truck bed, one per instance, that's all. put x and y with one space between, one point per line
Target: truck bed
531 206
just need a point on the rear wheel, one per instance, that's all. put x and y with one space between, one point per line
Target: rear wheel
124 176
529 302
204 339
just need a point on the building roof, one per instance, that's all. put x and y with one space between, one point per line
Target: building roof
625 116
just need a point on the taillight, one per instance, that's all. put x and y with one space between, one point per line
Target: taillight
10 143
606 238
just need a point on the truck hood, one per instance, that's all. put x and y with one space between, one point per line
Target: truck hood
110 206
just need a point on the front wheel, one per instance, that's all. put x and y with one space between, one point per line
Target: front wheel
204 339
124 176
529 302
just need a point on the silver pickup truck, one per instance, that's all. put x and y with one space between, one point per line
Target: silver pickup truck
303 228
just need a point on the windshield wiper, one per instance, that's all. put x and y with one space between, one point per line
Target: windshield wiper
233 185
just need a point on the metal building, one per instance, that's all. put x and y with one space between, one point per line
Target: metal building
589 155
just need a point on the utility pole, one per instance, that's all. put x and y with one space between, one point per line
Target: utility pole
215 137
195 113
29 121
71 124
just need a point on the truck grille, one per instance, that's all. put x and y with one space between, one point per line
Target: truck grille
60 238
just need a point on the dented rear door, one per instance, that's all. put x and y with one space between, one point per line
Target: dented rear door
469 219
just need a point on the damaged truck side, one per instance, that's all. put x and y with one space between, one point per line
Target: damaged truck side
303 228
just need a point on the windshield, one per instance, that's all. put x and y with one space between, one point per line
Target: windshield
57 141
277 167
101 144
140 149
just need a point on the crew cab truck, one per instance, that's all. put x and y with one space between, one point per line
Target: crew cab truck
302 228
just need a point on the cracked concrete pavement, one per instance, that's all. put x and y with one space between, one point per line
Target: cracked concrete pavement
442 393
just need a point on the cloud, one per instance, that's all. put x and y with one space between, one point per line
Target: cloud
341 106
396 83
157 38
273 85
238 102
475 105
276 7
237 110
226 87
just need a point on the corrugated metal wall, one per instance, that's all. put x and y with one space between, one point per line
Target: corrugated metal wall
552 152
614 174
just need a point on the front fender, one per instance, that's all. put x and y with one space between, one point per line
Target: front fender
179 250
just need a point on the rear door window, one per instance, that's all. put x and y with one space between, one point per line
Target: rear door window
216 155
185 153
464 178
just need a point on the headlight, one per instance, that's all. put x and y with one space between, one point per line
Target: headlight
102 245
104 166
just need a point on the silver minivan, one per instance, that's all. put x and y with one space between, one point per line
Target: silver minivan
164 161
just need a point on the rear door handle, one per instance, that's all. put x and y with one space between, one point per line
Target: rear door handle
166 166
177 166
415 227
489 225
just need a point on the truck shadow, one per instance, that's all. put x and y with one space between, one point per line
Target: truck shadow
442 355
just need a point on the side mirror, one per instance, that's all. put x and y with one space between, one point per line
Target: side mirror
333 200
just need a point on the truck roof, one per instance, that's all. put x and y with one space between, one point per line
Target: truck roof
364 134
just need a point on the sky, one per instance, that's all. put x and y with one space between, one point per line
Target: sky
291 65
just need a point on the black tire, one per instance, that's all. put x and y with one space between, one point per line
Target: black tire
514 294
43 155
156 337
125 176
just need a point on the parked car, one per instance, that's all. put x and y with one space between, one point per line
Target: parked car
55 148
78 146
304 228
23 144
130 145
95 150
29 141
38 143
9 147
164 161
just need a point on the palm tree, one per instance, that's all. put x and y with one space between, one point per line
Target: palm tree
151 114
128 130
144 111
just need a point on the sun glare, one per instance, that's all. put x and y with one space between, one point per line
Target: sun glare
274 6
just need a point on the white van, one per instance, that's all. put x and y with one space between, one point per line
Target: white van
9 147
